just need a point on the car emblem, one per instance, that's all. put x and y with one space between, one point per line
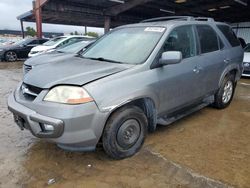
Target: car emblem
247 64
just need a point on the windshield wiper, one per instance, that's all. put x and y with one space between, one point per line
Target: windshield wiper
103 59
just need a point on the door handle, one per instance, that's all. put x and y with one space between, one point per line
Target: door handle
197 70
227 61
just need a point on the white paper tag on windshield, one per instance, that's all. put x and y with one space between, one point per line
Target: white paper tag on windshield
155 29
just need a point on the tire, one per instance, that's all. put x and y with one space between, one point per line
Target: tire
10 56
124 133
225 94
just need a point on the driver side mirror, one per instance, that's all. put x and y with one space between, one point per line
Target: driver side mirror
171 57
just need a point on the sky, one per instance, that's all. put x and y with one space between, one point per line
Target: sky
10 9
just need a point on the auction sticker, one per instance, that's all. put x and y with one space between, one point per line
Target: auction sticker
155 29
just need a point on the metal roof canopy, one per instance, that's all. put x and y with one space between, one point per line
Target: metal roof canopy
112 13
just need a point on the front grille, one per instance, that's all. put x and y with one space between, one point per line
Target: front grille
27 68
30 92
246 72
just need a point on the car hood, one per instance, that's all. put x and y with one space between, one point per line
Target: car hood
47 58
246 57
72 71
41 48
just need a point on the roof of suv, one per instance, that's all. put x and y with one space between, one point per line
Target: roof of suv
166 21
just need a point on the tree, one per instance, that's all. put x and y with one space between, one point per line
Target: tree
92 34
30 31
76 33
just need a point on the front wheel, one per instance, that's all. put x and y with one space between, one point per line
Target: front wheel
225 94
124 132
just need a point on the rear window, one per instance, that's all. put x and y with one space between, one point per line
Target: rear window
229 34
208 39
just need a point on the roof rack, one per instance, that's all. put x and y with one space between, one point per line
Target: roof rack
167 18
186 18
203 19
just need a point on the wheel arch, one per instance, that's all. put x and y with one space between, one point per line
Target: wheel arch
235 70
146 104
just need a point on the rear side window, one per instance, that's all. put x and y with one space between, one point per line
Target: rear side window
208 39
34 42
42 41
229 34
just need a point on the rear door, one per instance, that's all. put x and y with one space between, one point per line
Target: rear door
211 58
233 54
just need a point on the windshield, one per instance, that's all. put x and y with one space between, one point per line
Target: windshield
247 49
74 48
53 41
126 45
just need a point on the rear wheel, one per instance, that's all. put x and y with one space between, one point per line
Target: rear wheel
225 94
10 56
125 132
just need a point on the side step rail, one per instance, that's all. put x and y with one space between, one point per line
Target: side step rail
170 120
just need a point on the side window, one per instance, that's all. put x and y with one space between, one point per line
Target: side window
42 41
181 39
33 42
229 34
64 43
69 41
208 39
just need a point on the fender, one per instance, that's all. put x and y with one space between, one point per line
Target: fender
237 67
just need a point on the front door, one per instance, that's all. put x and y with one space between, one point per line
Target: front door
179 84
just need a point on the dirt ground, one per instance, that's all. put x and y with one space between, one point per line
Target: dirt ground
210 148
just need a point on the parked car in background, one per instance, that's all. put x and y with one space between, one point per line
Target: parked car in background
58 42
59 55
2 41
246 61
127 82
19 49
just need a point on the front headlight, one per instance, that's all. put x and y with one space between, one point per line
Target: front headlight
68 95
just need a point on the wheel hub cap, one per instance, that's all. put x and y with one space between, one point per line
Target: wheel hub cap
228 92
128 133
11 56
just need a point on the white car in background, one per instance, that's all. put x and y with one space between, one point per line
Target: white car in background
57 42
246 61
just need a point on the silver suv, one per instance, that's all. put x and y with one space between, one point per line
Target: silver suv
130 80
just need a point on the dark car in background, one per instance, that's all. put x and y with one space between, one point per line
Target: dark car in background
60 54
19 49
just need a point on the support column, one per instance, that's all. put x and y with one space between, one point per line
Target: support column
22 30
38 14
107 22
86 30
